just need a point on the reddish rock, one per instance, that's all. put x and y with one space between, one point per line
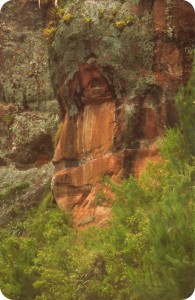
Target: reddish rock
78 181
169 59
159 15
117 137
142 158
89 134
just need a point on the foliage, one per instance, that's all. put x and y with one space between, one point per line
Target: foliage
57 135
127 22
49 32
67 18
52 15
8 119
185 101
21 244
13 190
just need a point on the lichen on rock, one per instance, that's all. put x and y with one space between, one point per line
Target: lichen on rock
28 109
120 54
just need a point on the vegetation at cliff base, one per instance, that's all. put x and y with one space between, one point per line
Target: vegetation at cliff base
145 253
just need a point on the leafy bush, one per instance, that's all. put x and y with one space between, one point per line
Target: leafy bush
185 101
21 244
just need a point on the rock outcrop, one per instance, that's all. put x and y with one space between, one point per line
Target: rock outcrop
28 108
115 69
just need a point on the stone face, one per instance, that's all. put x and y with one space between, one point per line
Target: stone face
115 102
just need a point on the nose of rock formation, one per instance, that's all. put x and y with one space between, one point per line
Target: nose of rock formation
115 68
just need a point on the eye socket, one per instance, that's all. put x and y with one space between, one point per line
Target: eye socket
95 82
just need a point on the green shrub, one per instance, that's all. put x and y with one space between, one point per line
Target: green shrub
22 243
185 101
8 119
57 135
13 190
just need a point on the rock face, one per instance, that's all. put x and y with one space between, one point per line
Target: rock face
115 69
28 108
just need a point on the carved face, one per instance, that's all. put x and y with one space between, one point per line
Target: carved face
95 87
89 86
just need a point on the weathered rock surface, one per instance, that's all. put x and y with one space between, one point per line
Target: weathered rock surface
28 108
115 80
115 68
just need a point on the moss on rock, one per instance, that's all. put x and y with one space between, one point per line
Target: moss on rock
121 54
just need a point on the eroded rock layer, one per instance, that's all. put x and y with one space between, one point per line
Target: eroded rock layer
115 69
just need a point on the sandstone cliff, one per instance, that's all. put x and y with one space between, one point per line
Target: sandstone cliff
114 67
